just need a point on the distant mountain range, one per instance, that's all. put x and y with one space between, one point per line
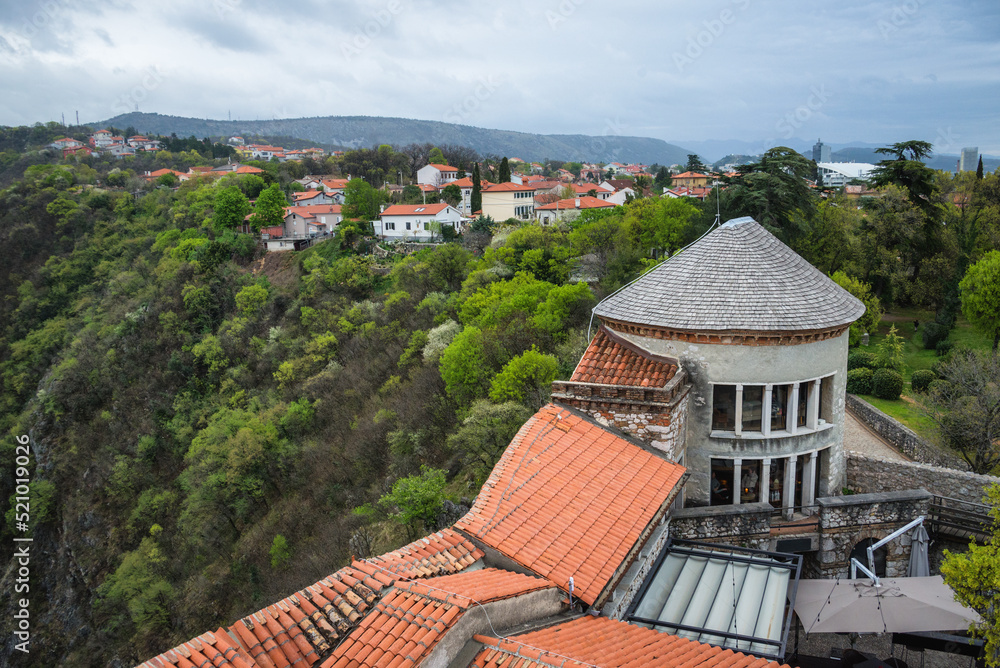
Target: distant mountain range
368 131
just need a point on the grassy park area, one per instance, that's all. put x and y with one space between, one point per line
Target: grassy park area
909 408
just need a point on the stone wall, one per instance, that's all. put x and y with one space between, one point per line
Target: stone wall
901 437
653 415
746 525
845 521
867 474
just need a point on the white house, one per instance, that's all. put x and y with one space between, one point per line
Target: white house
509 200
417 222
436 175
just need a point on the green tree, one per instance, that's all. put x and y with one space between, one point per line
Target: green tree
463 366
774 192
867 323
503 173
252 299
451 194
694 164
281 552
979 169
980 290
269 209
230 209
889 353
975 577
663 178
415 500
965 404
908 171
486 433
412 194
436 157
362 201
526 378
476 203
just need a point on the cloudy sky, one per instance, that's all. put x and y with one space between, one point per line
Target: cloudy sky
755 70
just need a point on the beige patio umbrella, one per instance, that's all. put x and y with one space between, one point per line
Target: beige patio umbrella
900 605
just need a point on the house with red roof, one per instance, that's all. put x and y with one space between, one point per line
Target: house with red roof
417 222
465 185
565 209
436 175
509 200
692 179
312 197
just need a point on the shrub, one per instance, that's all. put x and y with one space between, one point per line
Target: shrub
932 334
859 381
943 348
887 384
922 379
890 351
862 359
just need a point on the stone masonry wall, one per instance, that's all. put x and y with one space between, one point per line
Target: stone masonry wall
845 521
656 417
746 525
872 474
901 437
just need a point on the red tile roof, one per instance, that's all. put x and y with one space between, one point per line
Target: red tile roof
570 499
599 641
407 623
610 360
576 203
443 168
446 551
510 186
414 209
309 194
305 627
217 649
335 184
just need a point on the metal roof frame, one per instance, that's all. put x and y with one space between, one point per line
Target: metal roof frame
731 554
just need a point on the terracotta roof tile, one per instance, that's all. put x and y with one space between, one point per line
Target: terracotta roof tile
414 209
440 553
598 641
558 490
609 360
209 649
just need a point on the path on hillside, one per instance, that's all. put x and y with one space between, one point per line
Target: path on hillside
859 438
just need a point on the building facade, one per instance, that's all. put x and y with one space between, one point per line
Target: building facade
759 337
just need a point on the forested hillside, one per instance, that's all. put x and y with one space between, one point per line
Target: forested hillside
212 429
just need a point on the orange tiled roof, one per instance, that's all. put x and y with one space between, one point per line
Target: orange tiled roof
446 551
585 202
209 649
509 186
407 623
609 360
599 641
305 627
247 169
570 499
443 168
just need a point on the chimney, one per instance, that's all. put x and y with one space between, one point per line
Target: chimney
578 202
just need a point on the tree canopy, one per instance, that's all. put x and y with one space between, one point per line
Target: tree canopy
980 291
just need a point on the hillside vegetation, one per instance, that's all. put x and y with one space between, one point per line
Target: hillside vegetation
213 429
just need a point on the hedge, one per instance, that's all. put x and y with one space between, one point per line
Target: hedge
887 384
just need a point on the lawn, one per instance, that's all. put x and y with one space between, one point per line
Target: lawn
908 408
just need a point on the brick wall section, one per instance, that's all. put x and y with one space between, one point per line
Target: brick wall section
872 474
877 515
653 415
746 525
902 438
734 338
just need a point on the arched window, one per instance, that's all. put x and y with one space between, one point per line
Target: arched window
860 552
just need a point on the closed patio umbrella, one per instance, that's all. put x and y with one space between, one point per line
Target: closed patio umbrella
900 605
920 565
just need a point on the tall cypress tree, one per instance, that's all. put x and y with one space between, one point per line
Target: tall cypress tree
979 169
477 190
503 174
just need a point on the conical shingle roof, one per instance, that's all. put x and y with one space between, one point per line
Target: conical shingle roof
737 278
